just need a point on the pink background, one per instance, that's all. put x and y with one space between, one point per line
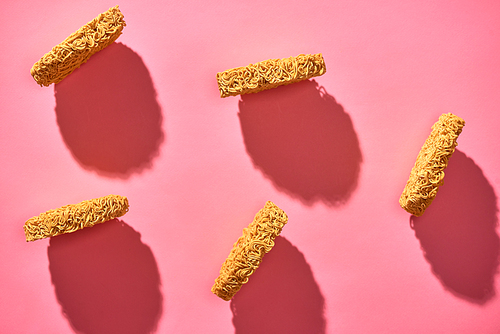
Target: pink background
144 119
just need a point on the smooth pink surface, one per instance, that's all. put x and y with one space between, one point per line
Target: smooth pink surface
143 119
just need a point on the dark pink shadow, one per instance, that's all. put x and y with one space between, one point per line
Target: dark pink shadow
280 297
108 114
457 232
303 141
106 280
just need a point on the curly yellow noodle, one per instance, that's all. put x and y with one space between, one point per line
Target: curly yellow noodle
73 217
269 74
428 173
247 253
75 50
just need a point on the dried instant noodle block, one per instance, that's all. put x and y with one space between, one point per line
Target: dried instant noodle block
428 173
269 74
73 217
247 253
75 50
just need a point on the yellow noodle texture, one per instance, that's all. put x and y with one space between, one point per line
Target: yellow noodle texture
269 74
73 217
247 253
75 50
428 173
